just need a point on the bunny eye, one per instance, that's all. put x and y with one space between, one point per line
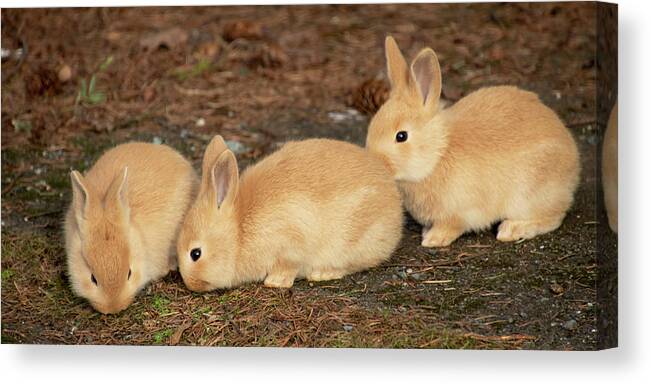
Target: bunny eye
93 279
195 254
401 136
129 276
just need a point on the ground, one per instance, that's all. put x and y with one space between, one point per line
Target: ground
260 76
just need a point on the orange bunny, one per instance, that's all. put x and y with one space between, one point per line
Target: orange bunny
498 154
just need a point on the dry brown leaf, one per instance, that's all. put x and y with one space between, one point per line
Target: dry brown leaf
242 29
496 53
176 337
149 94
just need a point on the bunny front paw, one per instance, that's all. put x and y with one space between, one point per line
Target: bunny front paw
440 236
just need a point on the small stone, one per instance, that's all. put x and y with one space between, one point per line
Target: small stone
200 122
65 73
184 133
402 274
556 288
157 140
417 276
348 327
337 117
409 270
570 325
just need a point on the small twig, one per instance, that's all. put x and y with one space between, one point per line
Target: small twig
46 213
221 104
197 92
495 322
440 263
565 257
516 337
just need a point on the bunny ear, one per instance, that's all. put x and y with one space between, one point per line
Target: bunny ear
117 195
225 179
215 148
396 65
426 77
80 196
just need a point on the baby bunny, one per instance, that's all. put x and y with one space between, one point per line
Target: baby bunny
317 209
124 218
497 154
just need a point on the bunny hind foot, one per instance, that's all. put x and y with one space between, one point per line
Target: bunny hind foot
514 230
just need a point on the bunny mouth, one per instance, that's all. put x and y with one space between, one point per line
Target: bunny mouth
197 285
109 309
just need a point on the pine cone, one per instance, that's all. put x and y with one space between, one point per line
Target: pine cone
369 96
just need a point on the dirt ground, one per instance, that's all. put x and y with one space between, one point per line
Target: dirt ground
260 76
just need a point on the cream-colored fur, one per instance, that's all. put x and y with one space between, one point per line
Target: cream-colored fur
317 209
609 169
497 154
125 215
